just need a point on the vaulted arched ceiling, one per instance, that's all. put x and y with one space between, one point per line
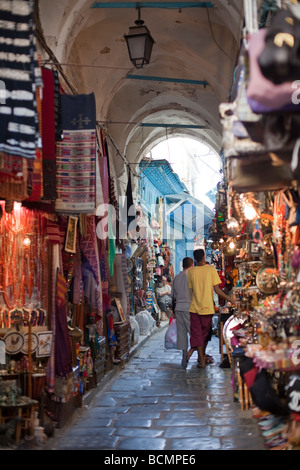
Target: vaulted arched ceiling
178 93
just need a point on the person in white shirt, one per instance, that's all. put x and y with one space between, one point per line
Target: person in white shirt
182 298
163 295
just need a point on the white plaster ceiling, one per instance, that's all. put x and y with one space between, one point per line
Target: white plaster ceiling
190 43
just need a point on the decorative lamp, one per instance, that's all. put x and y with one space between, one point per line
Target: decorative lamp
231 227
139 43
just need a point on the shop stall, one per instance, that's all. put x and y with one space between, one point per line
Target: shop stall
256 233
25 333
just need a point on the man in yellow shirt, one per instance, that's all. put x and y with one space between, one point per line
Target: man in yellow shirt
202 280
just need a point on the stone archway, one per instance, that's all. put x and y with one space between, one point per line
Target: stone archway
196 45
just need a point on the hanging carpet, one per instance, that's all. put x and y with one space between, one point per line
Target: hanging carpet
20 83
76 155
19 75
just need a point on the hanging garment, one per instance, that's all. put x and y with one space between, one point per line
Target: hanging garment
48 135
35 165
76 156
20 76
104 272
57 107
89 249
129 200
55 250
63 362
111 243
263 95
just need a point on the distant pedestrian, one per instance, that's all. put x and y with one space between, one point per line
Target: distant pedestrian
182 298
202 280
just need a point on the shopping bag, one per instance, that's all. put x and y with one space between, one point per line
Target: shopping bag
171 335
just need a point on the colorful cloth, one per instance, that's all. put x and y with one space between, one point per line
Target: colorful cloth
89 249
76 156
111 243
52 232
76 177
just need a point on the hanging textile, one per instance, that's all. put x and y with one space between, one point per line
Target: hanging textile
105 275
111 243
54 251
104 167
35 165
129 200
76 283
63 355
48 135
76 155
19 75
89 249
109 198
57 107
99 189
52 232
125 275
13 177
112 340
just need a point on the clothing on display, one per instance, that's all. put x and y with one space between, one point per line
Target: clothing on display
76 155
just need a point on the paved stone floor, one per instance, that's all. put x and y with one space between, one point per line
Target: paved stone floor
154 404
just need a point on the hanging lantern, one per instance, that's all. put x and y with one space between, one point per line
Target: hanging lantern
229 248
249 206
231 227
139 43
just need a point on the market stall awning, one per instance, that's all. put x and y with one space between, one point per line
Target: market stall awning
162 176
176 201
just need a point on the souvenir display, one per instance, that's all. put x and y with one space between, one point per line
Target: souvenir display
260 235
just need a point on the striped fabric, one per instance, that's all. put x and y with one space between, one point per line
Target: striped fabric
52 232
76 156
76 172
61 290
20 76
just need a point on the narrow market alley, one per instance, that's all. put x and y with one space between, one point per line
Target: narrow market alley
148 172
154 404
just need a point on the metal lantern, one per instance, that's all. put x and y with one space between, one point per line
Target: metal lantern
139 43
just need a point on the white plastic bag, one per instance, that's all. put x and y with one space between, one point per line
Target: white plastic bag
171 335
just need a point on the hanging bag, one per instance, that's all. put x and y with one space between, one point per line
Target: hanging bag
171 335
263 95
279 60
